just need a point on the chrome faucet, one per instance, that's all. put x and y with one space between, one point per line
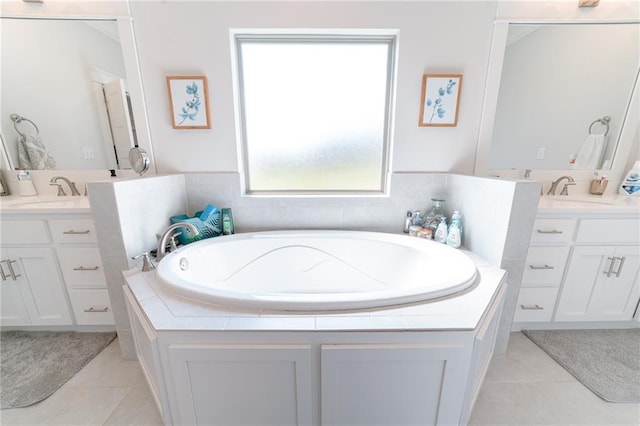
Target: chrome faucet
72 185
555 183
164 237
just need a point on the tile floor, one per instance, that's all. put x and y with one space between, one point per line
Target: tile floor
524 388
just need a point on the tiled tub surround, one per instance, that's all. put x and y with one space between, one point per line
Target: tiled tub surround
498 216
205 363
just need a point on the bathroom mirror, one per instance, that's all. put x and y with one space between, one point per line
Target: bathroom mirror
65 87
564 94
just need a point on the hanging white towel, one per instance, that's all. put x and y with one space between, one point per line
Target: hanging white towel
33 154
590 155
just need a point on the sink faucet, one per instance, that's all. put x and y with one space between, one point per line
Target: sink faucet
555 183
162 241
72 185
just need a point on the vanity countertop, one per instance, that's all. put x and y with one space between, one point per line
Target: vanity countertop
589 204
44 204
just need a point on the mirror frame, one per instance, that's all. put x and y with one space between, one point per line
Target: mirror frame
628 131
132 70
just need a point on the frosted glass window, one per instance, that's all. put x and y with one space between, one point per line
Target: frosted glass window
315 112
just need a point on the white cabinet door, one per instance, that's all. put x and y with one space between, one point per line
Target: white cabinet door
601 284
39 283
240 384
12 309
390 384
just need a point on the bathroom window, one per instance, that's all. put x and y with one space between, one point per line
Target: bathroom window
315 111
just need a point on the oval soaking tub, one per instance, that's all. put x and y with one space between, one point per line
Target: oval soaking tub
315 271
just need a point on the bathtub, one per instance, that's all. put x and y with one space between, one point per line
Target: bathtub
315 271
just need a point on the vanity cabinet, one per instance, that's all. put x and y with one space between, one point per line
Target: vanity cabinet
51 272
544 269
81 265
32 292
602 284
585 269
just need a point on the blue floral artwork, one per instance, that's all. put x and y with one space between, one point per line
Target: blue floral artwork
440 97
188 98
192 106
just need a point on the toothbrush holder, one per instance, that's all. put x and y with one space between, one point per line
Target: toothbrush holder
598 186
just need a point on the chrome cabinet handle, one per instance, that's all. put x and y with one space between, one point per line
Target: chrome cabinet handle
72 232
11 270
531 308
553 231
610 270
542 267
94 310
2 274
617 273
84 268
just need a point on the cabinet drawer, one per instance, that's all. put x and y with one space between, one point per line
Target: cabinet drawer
553 230
24 232
535 304
73 230
544 266
81 267
91 306
609 231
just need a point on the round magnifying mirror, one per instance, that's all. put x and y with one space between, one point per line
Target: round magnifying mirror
139 160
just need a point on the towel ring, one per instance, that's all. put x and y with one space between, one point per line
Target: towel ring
19 119
604 121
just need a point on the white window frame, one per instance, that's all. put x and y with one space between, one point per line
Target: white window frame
389 36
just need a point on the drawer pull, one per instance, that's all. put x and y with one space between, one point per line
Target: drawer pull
553 231
72 232
531 308
94 310
542 267
84 268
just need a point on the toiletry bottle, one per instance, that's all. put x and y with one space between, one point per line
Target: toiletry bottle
631 183
454 237
417 219
441 231
228 227
407 222
433 217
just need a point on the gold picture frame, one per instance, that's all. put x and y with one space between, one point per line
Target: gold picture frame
189 102
440 100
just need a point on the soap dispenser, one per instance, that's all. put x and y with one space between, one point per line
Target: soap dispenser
454 237
441 231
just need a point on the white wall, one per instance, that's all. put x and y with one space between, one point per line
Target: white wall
185 38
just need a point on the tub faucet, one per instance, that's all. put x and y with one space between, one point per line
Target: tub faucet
555 183
167 233
72 185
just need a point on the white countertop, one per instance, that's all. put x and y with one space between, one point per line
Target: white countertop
167 311
589 204
44 204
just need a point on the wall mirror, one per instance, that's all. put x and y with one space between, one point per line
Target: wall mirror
65 101
564 93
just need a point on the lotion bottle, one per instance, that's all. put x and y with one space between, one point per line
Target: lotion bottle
441 231
454 237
